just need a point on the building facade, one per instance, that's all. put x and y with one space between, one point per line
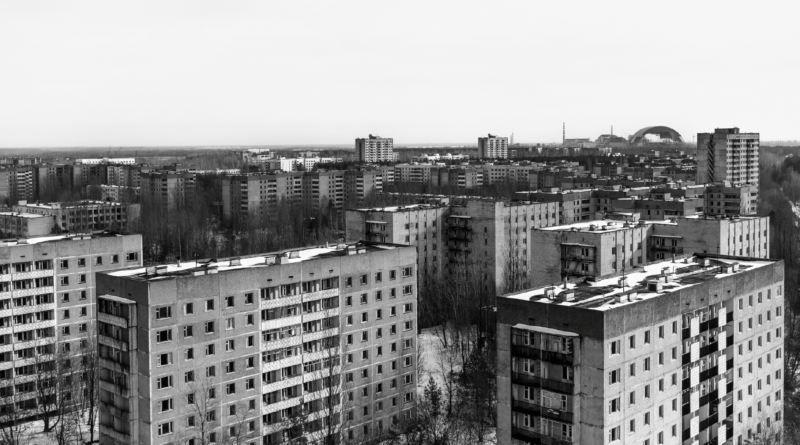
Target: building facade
725 200
169 189
727 155
493 147
687 352
80 216
315 342
47 301
375 149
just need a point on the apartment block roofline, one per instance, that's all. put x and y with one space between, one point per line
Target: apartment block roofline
56 238
642 283
288 256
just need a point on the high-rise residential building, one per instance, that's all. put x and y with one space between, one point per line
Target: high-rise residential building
317 342
170 189
604 248
253 195
47 301
727 155
25 225
493 147
375 149
726 200
17 182
418 225
81 216
677 353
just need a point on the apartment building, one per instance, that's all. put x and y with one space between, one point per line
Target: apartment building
603 248
255 194
169 188
375 149
421 173
115 193
573 205
492 235
314 342
25 225
47 300
727 155
492 147
17 182
725 200
459 177
664 207
80 216
681 352
418 225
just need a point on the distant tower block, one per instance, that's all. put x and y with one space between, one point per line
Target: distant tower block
512 138
563 132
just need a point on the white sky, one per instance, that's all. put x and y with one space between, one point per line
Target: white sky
100 73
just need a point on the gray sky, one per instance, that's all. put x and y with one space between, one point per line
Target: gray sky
99 73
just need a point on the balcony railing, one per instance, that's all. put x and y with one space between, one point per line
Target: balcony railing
538 410
536 438
540 354
538 382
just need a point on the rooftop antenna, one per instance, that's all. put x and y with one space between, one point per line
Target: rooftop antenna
563 133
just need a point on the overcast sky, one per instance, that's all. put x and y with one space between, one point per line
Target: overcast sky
101 73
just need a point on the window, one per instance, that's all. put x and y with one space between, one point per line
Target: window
166 405
614 405
364 299
615 347
632 370
229 324
64 281
64 264
408 307
614 377
131 256
230 388
163 312
165 428
188 376
661 332
188 309
210 305
392 274
230 367
164 336
613 434
114 259
248 298
81 262
211 371
187 331
164 382
210 350
407 271
364 317
632 342
251 319
165 359
407 290
209 327
364 279
230 345
378 277
65 297
81 278
98 261
647 337
408 325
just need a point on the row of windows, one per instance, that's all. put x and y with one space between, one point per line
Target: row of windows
615 346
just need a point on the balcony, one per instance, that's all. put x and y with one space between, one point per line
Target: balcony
540 354
114 366
112 320
538 382
108 341
115 389
678 250
538 410
535 438
108 430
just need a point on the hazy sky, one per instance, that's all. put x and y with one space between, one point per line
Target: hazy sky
102 73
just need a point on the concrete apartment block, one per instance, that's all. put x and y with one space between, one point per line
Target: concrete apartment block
374 149
26 225
727 155
493 147
418 225
170 188
726 200
47 298
291 343
676 353
603 248
81 216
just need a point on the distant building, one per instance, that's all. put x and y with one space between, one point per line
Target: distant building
81 216
727 155
437 157
375 149
725 200
256 155
493 147
170 189
25 225
117 161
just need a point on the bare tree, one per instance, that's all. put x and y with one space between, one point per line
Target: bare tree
203 401
67 427
14 426
49 361
90 376
764 432
239 431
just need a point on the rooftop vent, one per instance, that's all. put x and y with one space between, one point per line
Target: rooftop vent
351 250
622 281
735 266
236 261
550 293
569 295
655 285
704 262
161 270
151 270
294 255
269 259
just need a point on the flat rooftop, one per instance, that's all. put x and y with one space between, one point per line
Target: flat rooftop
64 205
55 238
400 208
596 226
199 267
603 294
24 215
